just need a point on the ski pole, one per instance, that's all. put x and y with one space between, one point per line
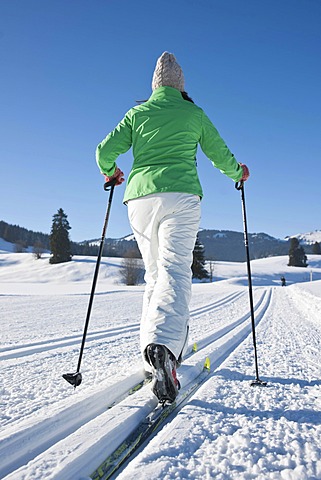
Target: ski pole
75 378
257 381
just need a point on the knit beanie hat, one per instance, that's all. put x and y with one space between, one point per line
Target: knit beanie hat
168 73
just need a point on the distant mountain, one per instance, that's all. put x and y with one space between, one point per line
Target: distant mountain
218 244
223 245
117 247
307 238
229 246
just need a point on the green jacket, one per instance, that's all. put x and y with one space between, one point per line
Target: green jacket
164 133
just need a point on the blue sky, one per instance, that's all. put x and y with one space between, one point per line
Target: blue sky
71 69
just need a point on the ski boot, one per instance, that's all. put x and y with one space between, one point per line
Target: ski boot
165 384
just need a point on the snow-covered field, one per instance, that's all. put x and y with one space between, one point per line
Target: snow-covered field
227 430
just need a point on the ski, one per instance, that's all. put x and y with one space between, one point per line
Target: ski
146 428
135 388
148 378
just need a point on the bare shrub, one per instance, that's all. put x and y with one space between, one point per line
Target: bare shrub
38 250
131 271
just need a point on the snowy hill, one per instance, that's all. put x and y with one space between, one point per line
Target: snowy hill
6 246
96 242
226 429
21 273
307 238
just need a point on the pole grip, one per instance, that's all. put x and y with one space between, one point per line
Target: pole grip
111 183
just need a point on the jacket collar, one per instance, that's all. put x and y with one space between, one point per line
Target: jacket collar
165 92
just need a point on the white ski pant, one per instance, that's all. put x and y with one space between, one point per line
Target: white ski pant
165 226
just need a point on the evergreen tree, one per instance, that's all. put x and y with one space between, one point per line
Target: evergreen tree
59 238
316 249
198 265
297 257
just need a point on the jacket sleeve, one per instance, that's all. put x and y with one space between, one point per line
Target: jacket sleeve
117 142
215 149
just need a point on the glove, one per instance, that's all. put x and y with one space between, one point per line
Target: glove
246 173
118 175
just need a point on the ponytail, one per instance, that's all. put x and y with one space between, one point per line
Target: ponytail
186 97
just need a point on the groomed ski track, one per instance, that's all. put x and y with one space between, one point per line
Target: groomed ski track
74 431
81 419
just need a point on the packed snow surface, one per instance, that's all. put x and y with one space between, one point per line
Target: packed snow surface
226 430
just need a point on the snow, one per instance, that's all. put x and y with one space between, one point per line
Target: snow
307 238
219 235
128 238
6 246
226 430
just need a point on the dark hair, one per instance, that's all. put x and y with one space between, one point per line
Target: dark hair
184 95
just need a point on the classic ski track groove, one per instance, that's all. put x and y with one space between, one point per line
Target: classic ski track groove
218 303
34 440
133 450
127 451
45 345
26 349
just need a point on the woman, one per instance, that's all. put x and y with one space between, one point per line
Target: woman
163 195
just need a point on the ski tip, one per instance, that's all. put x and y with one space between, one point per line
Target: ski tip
207 364
195 348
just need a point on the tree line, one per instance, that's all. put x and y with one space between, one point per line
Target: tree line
23 238
62 248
